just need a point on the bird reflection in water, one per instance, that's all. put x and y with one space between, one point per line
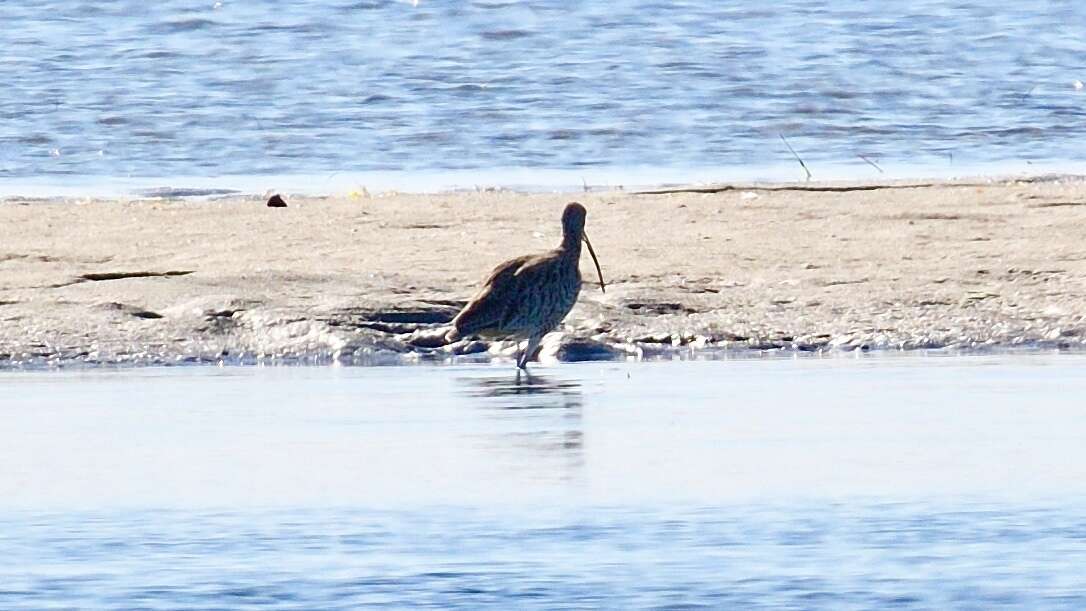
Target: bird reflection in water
538 422
518 392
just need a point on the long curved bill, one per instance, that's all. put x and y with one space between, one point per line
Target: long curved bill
599 272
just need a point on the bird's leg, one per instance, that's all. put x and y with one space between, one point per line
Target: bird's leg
529 350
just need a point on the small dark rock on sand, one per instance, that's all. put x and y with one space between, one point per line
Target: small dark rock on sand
276 201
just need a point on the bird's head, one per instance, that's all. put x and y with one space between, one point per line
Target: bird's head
573 220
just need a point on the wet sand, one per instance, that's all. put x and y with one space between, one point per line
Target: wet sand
373 278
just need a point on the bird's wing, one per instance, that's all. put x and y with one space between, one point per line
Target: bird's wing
491 305
533 272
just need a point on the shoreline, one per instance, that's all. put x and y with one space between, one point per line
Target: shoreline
520 180
503 355
986 265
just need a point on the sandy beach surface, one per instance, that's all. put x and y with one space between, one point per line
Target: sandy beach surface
364 278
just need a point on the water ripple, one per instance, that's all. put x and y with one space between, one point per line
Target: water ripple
815 557
455 85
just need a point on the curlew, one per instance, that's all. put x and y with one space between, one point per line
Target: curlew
528 296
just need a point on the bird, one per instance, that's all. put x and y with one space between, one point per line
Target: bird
528 296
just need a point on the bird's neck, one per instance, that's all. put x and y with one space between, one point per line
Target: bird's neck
571 243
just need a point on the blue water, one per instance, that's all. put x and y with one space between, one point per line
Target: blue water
181 90
721 557
912 482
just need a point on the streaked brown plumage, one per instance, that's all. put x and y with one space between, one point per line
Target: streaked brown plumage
530 295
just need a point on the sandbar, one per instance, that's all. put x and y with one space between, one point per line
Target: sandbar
373 278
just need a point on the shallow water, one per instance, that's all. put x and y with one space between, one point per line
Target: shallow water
916 481
459 92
